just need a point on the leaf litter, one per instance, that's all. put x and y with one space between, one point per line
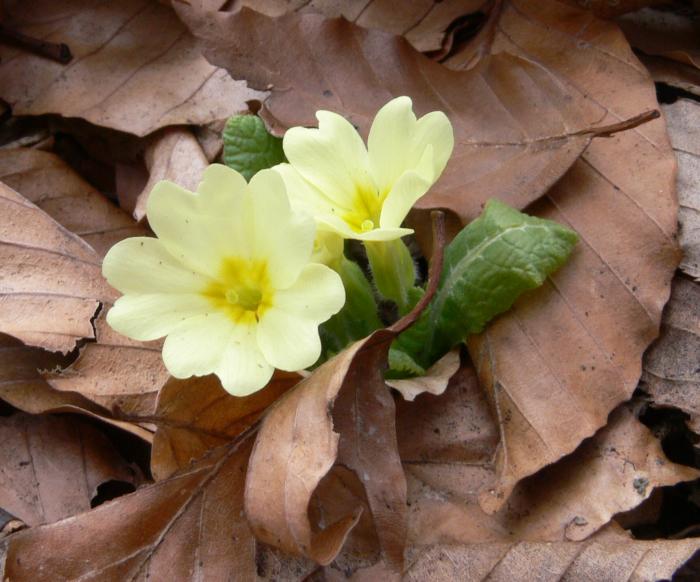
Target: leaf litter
516 456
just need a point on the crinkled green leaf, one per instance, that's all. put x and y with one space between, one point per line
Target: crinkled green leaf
488 265
248 147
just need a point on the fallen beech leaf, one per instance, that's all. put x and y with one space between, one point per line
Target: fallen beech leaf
173 154
683 118
613 558
117 373
52 284
514 157
47 181
673 73
428 25
566 355
22 385
612 8
342 413
447 445
297 445
664 33
435 380
671 372
135 68
53 465
196 415
188 527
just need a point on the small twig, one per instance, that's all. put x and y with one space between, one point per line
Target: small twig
631 123
55 51
434 272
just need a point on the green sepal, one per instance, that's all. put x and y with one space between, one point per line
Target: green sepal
393 271
489 264
248 147
359 316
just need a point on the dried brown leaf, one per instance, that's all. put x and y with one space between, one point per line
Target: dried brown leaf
173 154
52 283
447 445
683 118
120 375
196 415
613 558
428 25
673 73
115 372
135 68
344 414
664 33
51 466
517 129
47 181
188 527
23 386
566 355
672 365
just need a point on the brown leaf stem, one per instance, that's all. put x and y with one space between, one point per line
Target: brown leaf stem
438 223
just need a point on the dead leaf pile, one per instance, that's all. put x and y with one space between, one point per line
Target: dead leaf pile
521 455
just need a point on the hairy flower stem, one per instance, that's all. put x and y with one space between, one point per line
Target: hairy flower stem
393 271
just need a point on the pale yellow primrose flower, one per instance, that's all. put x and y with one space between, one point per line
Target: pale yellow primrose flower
366 193
228 280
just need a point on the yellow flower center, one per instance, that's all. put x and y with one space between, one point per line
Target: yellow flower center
366 209
242 290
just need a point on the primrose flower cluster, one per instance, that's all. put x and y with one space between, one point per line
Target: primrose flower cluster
241 274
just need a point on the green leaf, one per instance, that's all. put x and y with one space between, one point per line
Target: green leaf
358 317
248 147
488 265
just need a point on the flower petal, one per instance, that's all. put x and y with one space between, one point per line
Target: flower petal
200 229
289 342
282 238
397 142
410 186
243 368
149 317
196 346
143 265
317 294
333 158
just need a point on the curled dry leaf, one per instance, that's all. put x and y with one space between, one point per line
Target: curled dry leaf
447 445
434 382
664 33
517 129
22 385
196 415
671 366
173 154
300 440
609 556
115 372
47 181
135 68
188 527
52 283
612 8
52 466
342 413
683 118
